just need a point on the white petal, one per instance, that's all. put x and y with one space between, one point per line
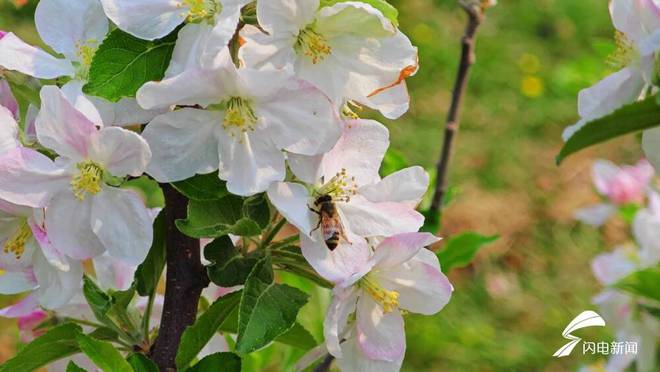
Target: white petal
125 112
380 335
66 24
190 44
13 282
22 308
367 219
344 302
250 164
626 18
306 168
651 146
29 178
191 87
74 94
277 16
340 264
398 249
292 200
16 55
610 267
112 273
8 131
7 99
603 173
353 360
61 127
646 230
146 19
56 287
68 221
609 94
650 44
406 186
356 18
50 252
595 215
120 151
183 143
122 223
261 50
225 26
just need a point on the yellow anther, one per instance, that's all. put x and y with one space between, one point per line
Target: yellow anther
312 44
201 9
389 300
85 52
239 117
624 54
88 179
341 187
16 244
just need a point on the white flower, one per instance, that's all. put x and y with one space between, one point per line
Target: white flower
400 275
75 29
84 215
349 50
366 204
250 117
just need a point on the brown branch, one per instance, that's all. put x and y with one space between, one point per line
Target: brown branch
186 278
475 13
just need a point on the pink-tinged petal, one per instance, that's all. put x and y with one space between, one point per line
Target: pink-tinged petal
146 19
16 55
603 173
406 186
14 210
398 249
74 94
112 273
30 178
380 335
216 344
24 307
344 302
125 112
28 323
339 264
65 25
292 200
306 168
7 98
610 267
354 360
595 215
367 219
14 282
122 223
651 146
8 131
2 34
250 164
52 254
68 221
120 151
422 287
56 287
183 143
360 151
62 128
286 16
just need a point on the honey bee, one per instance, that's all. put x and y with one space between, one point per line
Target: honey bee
329 221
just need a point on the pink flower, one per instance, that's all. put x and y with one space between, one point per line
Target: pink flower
28 323
622 185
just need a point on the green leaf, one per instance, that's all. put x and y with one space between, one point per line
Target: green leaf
111 310
141 363
202 187
196 336
654 311
257 209
103 354
99 302
73 367
226 362
148 189
644 283
212 219
149 272
229 267
461 249
267 310
386 8
59 342
104 333
628 119
123 63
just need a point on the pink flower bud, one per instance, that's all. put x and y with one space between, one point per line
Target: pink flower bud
625 184
27 324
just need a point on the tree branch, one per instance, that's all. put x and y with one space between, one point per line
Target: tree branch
475 13
186 277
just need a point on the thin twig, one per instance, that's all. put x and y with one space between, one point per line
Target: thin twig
475 14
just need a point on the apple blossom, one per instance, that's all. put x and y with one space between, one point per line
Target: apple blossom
349 50
85 216
7 99
400 275
250 116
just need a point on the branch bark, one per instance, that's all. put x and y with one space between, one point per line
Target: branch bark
475 15
186 277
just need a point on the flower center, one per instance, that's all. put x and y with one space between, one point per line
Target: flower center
16 244
199 10
312 44
239 116
85 53
389 300
341 187
88 179
625 51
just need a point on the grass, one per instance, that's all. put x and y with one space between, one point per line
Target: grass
511 305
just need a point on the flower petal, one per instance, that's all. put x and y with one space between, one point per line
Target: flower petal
406 186
120 151
123 224
651 146
340 264
74 94
52 254
398 249
125 112
112 273
262 50
8 131
68 221
292 201
354 360
279 16
16 55
7 99
146 19
183 143
56 287
22 308
13 282
344 302
595 215
612 266
368 219
380 335
306 168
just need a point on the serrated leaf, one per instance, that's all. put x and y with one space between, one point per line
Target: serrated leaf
226 362
257 209
149 272
148 189
644 283
267 309
461 249
229 267
103 354
196 336
386 8
123 63
202 187
59 342
212 219
73 367
628 119
141 363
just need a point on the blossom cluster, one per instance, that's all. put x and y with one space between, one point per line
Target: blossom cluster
270 105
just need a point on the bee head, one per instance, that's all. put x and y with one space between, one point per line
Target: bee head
323 199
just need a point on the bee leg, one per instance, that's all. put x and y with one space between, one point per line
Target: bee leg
318 225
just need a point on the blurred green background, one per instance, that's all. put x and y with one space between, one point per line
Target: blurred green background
511 305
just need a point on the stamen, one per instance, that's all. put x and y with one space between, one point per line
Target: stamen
199 10
239 117
16 244
389 300
312 44
624 54
85 52
341 187
88 179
